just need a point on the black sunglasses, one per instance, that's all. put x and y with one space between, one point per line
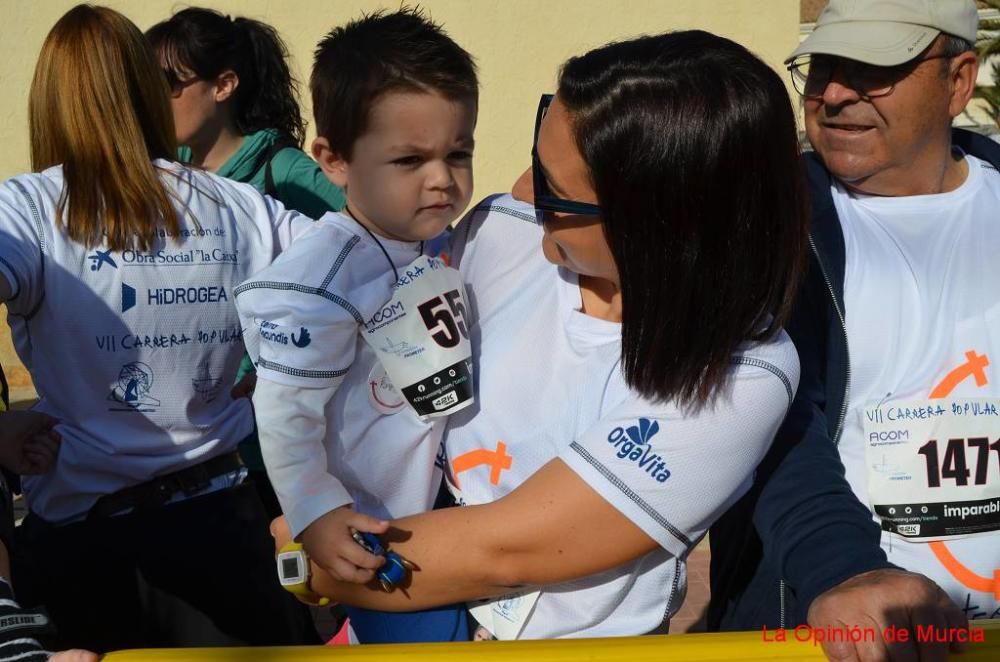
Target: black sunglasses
177 85
545 200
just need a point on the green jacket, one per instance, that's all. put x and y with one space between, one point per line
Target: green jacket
298 180
299 184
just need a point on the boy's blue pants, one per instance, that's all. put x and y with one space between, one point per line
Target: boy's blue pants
382 627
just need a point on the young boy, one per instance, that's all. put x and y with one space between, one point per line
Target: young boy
395 103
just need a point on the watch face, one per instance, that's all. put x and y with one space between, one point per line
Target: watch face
291 568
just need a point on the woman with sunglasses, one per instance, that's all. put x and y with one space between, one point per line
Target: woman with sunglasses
235 108
235 114
631 365
117 268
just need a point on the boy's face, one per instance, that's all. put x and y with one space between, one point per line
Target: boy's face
410 174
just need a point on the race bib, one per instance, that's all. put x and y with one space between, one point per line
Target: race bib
934 467
421 338
504 617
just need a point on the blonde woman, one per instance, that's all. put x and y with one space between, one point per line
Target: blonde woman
117 267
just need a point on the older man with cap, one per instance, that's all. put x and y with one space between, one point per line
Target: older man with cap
898 331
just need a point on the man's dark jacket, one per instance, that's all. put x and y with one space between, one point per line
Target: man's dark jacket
800 530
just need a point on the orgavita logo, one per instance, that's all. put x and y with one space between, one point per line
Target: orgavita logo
632 443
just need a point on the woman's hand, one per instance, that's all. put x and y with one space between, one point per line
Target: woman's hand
29 442
245 387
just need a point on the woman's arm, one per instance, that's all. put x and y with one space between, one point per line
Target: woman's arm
552 528
644 476
21 239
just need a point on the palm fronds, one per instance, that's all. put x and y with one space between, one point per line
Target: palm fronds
988 46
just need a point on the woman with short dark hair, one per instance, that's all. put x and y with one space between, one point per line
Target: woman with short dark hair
632 372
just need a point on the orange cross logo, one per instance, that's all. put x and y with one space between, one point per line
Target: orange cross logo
974 366
498 461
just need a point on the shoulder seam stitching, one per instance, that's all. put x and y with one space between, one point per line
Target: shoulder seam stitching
627 491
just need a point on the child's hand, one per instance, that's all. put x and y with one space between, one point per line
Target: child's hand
329 543
245 387
28 442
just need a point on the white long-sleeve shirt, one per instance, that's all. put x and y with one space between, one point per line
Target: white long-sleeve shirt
329 435
134 351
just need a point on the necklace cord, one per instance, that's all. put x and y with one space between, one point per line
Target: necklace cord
395 273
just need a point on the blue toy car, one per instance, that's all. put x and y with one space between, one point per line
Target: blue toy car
395 568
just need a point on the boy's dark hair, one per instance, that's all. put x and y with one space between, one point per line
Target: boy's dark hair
692 147
207 43
383 52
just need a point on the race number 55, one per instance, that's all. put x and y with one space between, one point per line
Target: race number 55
445 319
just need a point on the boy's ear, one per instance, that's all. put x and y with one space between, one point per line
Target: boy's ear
225 85
330 162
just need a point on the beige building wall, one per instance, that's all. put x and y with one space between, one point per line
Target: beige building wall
518 45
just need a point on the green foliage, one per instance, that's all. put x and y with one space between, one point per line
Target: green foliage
987 46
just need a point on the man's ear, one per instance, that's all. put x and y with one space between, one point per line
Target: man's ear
225 85
963 71
331 163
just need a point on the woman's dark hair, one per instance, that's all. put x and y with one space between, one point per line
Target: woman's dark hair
693 152
207 43
400 51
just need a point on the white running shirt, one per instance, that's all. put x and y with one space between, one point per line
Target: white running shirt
923 315
134 351
550 385
329 435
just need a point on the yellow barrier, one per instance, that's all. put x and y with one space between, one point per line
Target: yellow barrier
677 648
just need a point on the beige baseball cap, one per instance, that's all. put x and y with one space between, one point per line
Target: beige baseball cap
887 32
